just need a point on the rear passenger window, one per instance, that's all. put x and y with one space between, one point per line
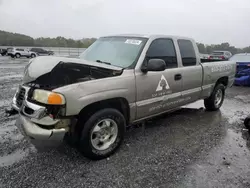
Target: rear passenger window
163 49
187 52
18 49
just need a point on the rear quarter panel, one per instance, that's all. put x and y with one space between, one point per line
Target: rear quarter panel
213 71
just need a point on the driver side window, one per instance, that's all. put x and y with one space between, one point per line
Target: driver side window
163 49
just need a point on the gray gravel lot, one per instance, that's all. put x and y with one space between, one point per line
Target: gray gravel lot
188 148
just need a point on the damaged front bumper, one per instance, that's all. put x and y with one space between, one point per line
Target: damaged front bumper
33 120
33 131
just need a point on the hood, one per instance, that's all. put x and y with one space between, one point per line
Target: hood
59 71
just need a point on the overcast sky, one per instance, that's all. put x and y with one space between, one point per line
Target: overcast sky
207 21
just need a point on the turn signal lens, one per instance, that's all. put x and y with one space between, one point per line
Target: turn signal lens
56 99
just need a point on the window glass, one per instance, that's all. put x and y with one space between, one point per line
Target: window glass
163 49
18 49
187 52
117 51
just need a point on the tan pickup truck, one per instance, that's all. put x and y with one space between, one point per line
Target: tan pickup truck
119 80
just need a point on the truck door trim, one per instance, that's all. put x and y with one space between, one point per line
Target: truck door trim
158 99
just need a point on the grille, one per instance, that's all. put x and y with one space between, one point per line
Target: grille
20 97
28 110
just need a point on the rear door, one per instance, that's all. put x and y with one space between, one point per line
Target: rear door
191 71
159 91
20 51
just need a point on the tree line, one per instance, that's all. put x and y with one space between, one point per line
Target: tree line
208 49
16 39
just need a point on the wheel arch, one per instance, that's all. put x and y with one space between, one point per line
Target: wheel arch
121 104
223 80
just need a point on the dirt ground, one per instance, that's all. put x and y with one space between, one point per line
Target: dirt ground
188 148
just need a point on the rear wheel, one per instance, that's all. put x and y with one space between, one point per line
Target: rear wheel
215 101
102 134
247 122
17 55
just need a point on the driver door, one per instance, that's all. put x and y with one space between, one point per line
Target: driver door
159 91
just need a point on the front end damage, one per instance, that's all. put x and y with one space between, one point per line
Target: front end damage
38 121
42 121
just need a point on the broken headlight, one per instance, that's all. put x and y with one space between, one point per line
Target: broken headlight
48 97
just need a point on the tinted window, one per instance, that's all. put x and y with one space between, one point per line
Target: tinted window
187 52
218 53
36 49
18 49
163 49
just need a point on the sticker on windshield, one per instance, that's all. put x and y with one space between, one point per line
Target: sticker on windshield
132 41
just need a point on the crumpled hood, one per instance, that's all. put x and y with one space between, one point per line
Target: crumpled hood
44 64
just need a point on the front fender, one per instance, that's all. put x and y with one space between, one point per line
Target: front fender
74 107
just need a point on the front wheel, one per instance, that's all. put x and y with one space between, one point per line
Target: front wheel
33 55
247 122
215 101
102 134
17 55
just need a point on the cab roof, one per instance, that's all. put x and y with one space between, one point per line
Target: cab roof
150 36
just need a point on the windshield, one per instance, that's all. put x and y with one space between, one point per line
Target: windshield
117 51
241 58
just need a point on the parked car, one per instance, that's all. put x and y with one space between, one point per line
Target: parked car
221 55
242 61
118 81
204 56
3 51
40 51
20 52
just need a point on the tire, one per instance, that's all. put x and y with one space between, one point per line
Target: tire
91 142
215 101
33 55
247 122
17 55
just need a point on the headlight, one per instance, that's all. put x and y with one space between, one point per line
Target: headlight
48 97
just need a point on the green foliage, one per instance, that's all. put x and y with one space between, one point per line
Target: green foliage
15 39
10 39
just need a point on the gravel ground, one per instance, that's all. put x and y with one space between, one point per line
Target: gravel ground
188 148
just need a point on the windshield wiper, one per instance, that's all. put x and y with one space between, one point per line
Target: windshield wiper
99 61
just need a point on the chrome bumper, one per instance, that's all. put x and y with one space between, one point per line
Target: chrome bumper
33 131
28 123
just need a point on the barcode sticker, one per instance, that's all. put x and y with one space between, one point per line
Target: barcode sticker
132 41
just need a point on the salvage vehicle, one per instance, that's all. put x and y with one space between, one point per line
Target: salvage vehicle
3 51
20 52
221 55
41 51
117 81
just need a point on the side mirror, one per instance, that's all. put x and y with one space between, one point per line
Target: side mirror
154 65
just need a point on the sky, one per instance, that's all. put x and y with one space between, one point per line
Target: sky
207 21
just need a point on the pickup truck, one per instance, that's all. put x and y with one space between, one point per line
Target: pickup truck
118 81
